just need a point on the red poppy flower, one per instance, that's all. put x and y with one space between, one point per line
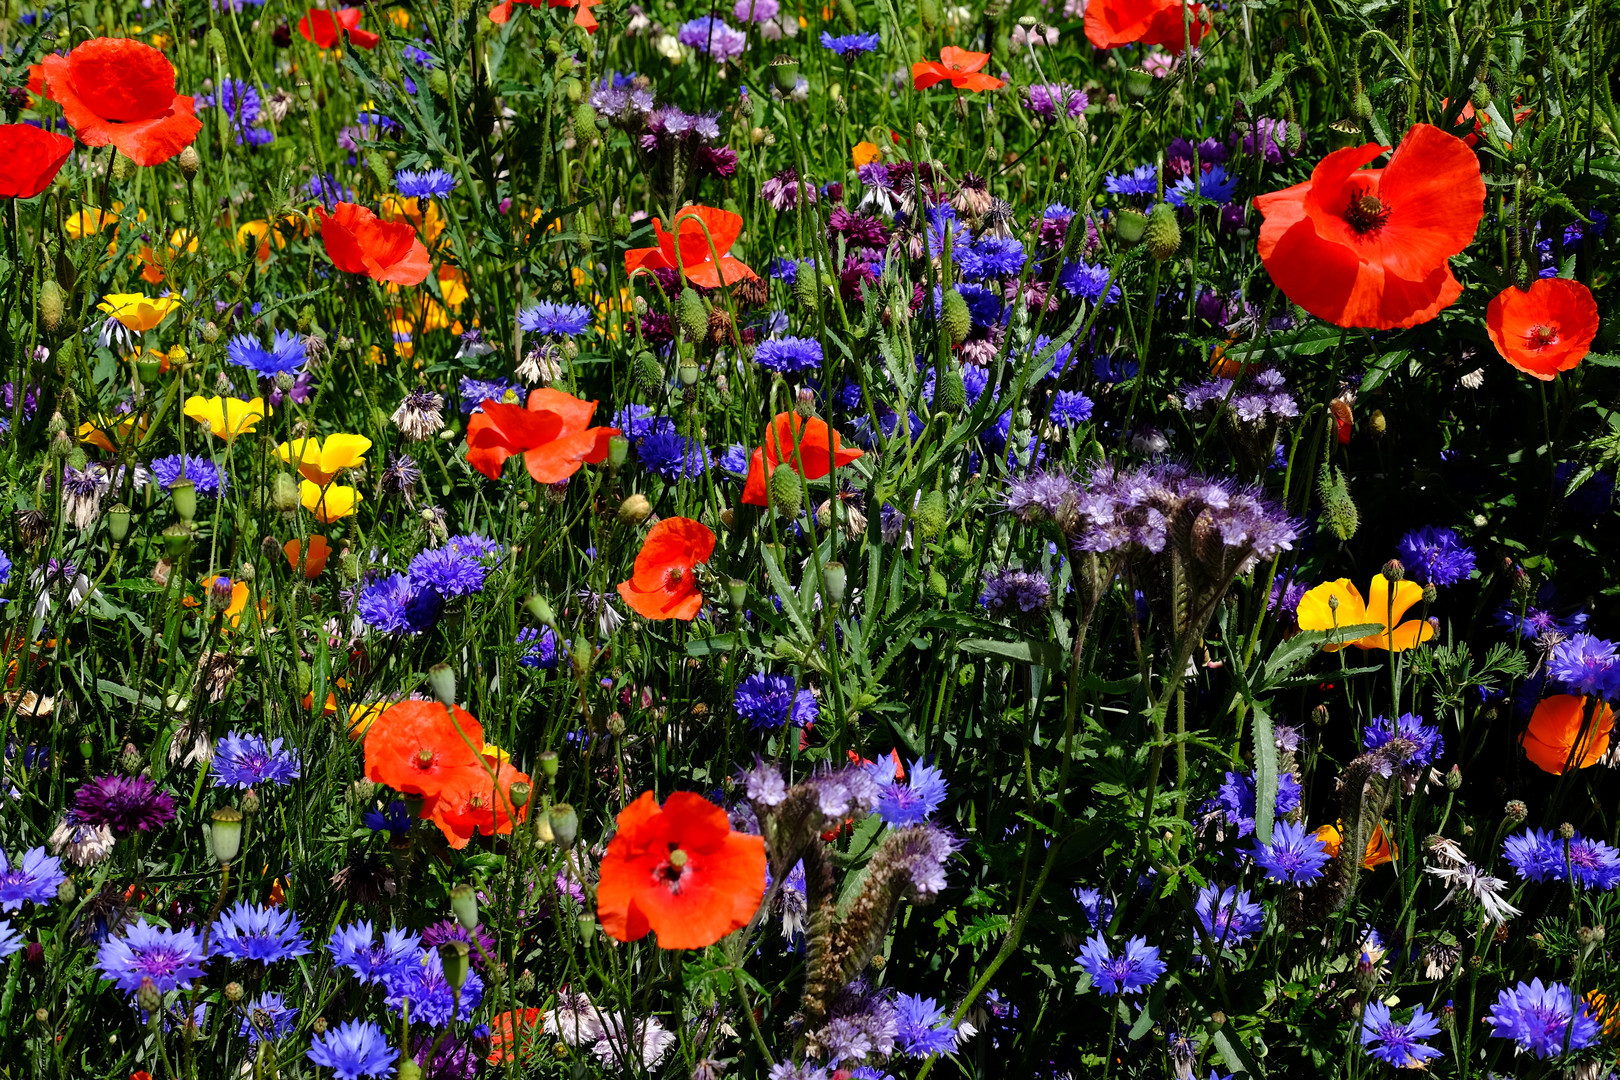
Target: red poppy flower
956 66
326 28
118 92
474 802
424 748
810 447
502 12
30 158
679 871
551 434
1545 330
517 1031
687 248
1369 247
1112 23
1554 740
358 243
662 585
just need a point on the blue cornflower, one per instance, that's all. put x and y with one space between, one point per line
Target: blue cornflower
242 104
638 421
1143 180
768 701
735 459
1586 664
1535 855
34 879
1235 799
1070 408
990 257
1061 355
555 320
1228 916
921 1027
1088 282
912 802
353 1050
10 940
1294 856
782 269
448 571
1395 1042
673 456
240 761
984 305
352 946
325 188
267 1017
474 392
849 46
1213 184
394 818
1435 556
170 958
421 982
432 184
475 547
207 477
419 55
285 354
788 354
266 934
1427 742
5 567
1538 618
539 647
1541 1019
1131 972
392 604
1592 863
1097 908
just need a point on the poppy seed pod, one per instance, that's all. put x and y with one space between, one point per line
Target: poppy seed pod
1162 233
635 509
225 834
456 957
548 764
442 681
1138 83
1129 225
464 905
408 1068
954 317
520 794
118 522
785 72
564 825
835 578
175 539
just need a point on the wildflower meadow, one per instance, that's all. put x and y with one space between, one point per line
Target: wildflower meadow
896 539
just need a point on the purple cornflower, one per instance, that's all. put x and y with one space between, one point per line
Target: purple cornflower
708 34
1293 857
1214 184
421 982
34 879
555 320
1586 664
1228 916
432 184
1592 863
10 940
1543 1019
921 1027
755 11
1131 972
353 1050
858 230
352 946
784 191
207 477
285 354
393 605
849 46
240 761
912 802
393 818
1070 408
1047 100
1395 1042
170 958
1011 591
265 934
1435 556
474 392
1235 800
672 456
1536 855
267 1016
449 571
1097 908
539 648
788 354
123 804
1427 743
1140 181
768 701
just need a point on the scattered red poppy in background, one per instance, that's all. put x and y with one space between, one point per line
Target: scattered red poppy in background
662 585
118 92
1550 740
809 447
517 1031
326 28
679 871
30 158
583 18
552 434
959 67
687 248
1370 247
475 802
1544 330
358 243
1112 23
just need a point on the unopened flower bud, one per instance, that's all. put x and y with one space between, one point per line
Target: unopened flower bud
1393 571
1454 779
635 509
1319 715
1516 811
1566 831
234 992
149 998
251 803
464 904
564 825
737 593
835 578
540 608
130 760
66 892
442 681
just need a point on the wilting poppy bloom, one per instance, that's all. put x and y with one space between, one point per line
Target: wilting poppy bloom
119 92
518 1032
959 67
1316 613
1112 23
226 417
662 585
1545 330
423 748
583 18
679 871
551 434
319 552
329 502
1379 848
358 243
809 447
476 802
1550 741
326 28
321 459
1369 247
688 248
30 158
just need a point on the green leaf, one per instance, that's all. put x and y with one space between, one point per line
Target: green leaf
1043 653
1265 774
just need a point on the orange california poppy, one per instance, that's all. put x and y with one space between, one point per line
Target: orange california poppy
423 748
1370 247
679 871
327 28
1380 849
687 248
319 552
552 434
1316 613
118 91
358 243
583 17
1550 739
810 447
662 586
1112 23
474 802
956 66
30 158
1545 330
517 1031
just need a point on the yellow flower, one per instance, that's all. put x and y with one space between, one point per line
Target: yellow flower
320 461
226 417
107 433
430 224
328 503
136 312
362 715
453 283
1315 612
1379 848
90 221
865 153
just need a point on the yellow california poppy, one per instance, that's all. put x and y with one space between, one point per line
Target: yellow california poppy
226 417
1315 612
1380 849
430 223
89 221
136 312
108 432
329 503
320 460
362 715
453 283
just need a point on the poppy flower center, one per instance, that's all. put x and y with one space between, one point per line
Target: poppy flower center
673 576
673 869
424 758
1542 335
1366 213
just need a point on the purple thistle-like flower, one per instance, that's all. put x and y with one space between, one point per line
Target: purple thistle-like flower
353 1050
1543 1019
240 761
1539 618
32 879
1011 591
265 934
921 1027
1586 664
913 801
1047 100
788 354
768 701
1228 916
1131 972
1395 1042
858 230
123 804
539 648
1426 741
170 958
1294 856
1592 863
205 476
1435 556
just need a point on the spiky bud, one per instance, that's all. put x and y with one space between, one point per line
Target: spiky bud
1361 106
1480 99
691 314
931 513
52 304
952 396
954 317
379 168
928 11
787 492
649 372
584 120
1339 513
1162 233
807 287
937 586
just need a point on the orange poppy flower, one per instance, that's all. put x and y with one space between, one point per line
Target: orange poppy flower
358 243
1380 849
809 447
1545 330
30 158
120 92
423 748
583 18
1315 612
679 871
551 434
475 803
662 585
1555 728
687 248
1112 23
959 67
1370 247
326 28
517 1031
319 552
